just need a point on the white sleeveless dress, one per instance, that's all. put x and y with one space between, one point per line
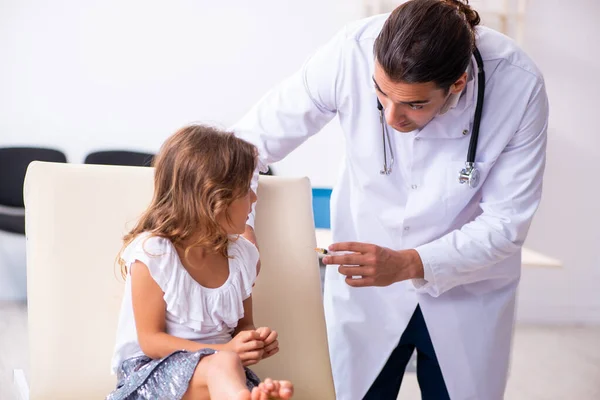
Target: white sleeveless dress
196 313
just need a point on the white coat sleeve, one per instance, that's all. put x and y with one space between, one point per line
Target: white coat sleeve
295 110
510 197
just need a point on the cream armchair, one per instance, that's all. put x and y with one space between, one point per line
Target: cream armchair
75 218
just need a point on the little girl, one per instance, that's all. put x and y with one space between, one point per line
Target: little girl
185 329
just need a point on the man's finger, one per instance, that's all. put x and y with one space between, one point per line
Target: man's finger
346 259
356 271
360 282
356 247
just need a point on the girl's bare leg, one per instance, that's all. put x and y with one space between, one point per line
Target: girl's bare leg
218 377
221 376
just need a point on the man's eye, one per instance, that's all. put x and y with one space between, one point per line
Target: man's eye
415 106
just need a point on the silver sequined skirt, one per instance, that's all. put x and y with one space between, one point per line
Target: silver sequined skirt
143 378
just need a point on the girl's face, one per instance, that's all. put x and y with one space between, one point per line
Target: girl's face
238 212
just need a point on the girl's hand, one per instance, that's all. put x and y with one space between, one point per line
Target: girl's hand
249 346
269 337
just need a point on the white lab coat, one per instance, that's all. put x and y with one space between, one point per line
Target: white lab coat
469 239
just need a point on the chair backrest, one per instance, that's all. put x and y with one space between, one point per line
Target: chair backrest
13 164
76 216
288 296
120 157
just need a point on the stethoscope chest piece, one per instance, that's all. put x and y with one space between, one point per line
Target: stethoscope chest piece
469 175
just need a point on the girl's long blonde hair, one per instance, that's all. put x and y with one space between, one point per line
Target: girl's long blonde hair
199 172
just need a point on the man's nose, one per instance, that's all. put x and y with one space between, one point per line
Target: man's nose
394 115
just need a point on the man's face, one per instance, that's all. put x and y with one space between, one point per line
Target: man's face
410 106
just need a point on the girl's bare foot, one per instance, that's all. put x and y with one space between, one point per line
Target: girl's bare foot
270 389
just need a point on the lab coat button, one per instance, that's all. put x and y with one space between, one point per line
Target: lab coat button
413 187
406 228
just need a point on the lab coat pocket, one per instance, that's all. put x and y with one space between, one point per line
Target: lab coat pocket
460 196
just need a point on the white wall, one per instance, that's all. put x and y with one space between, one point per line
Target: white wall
563 37
85 75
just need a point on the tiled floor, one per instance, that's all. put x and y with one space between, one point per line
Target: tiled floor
549 363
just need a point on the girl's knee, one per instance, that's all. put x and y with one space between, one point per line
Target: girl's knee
198 385
200 376
217 369
225 360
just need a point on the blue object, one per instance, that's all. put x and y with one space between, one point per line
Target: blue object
320 201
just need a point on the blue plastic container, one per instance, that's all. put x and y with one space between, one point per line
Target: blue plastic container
320 201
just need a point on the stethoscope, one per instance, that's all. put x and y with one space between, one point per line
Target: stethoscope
469 174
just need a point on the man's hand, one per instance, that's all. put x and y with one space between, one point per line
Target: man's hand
375 265
251 236
269 337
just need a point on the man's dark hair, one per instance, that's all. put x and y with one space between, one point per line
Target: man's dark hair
427 41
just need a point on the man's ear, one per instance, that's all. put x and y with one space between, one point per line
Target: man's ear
459 85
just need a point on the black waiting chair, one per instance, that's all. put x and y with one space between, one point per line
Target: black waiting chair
13 166
120 157
129 158
269 172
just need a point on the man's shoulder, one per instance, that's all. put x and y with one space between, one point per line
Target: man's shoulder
366 30
503 55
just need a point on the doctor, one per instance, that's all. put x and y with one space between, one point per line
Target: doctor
445 135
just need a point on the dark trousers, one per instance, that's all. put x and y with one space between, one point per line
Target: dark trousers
429 375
